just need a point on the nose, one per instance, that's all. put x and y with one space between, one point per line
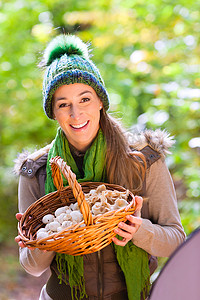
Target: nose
75 112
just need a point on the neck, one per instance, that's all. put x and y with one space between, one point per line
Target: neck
75 150
81 148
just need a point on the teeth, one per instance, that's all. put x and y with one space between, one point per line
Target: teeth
80 125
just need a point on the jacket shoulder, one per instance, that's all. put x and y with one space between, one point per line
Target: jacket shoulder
153 144
27 164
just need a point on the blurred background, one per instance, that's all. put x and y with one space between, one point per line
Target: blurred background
148 53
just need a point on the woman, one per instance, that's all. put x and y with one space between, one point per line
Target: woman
97 149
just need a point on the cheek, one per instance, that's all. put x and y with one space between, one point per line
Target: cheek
95 114
96 109
60 117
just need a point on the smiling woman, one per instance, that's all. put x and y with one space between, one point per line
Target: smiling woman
98 149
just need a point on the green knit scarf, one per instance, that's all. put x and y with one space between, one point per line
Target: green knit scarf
132 260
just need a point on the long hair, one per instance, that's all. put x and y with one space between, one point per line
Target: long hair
124 166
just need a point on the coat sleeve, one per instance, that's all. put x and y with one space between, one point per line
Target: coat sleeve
35 262
162 232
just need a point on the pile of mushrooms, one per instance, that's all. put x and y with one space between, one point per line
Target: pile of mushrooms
100 201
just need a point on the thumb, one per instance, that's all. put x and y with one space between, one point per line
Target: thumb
18 216
138 202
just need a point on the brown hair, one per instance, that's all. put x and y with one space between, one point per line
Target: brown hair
125 166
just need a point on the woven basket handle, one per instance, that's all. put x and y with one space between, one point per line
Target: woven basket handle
57 165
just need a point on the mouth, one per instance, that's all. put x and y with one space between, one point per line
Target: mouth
79 126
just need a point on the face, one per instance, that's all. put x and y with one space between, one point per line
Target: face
77 109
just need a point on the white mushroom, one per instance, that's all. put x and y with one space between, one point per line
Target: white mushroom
119 203
112 207
41 230
63 217
93 199
66 207
54 225
97 209
48 218
68 210
92 192
47 227
49 233
127 194
74 206
42 235
59 211
59 229
76 216
66 224
101 188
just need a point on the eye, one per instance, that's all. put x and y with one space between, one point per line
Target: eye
83 100
63 105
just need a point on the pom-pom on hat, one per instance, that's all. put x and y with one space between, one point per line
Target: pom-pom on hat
67 61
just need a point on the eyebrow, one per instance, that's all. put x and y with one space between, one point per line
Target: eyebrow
85 92
82 93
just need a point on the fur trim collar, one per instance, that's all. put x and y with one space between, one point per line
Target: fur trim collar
25 155
158 140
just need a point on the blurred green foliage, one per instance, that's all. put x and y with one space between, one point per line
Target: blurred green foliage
148 55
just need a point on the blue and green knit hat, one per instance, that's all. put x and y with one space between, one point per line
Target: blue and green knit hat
67 61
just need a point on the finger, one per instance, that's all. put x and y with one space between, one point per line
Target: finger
139 202
17 239
136 222
119 242
133 220
125 234
21 244
18 216
126 231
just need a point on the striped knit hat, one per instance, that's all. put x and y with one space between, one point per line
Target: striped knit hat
67 61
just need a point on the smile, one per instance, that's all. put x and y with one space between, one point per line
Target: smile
78 126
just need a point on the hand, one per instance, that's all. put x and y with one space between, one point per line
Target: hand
18 238
126 231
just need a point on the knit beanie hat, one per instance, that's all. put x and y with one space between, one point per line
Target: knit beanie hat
67 61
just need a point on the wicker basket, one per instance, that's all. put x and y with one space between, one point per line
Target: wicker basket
76 239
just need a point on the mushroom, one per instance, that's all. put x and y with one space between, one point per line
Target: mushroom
59 229
48 218
74 206
119 203
101 188
47 227
76 216
97 209
42 235
64 217
54 225
66 224
41 230
59 211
